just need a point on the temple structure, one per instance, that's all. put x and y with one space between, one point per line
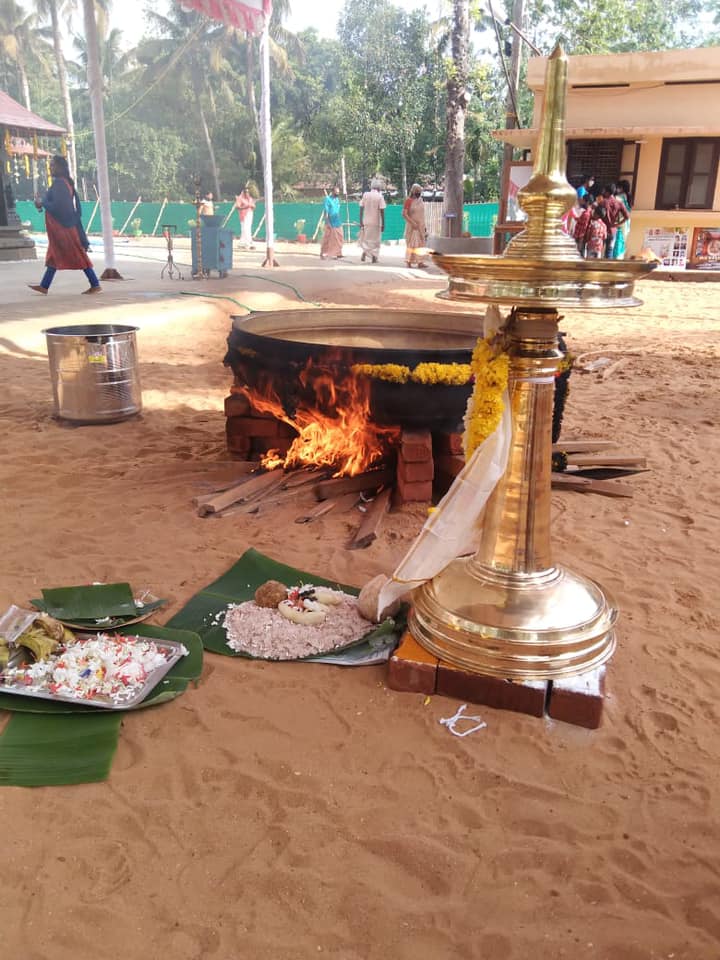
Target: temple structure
16 121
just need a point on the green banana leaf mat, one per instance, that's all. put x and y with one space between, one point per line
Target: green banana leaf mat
48 743
203 613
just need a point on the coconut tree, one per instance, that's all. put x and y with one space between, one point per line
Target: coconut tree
191 50
458 97
52 10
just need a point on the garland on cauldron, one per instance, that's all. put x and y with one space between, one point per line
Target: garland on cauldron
430 374
490 367
562 389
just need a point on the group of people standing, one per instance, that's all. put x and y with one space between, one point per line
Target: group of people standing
600 222
372 225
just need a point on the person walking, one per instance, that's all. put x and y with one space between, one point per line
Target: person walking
372 221
332 241
67 241
415 230
245 204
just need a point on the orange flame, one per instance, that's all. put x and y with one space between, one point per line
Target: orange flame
343 438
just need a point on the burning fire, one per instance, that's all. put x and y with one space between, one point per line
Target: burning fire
343 438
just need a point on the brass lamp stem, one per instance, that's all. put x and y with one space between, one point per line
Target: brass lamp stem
516 531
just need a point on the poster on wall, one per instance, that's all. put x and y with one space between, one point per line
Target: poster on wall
705 253
520 174
670 245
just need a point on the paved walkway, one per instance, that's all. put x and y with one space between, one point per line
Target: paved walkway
144 297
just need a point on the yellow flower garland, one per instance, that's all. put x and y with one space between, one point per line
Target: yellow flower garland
430 374
490 369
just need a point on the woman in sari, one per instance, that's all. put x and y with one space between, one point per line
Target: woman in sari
67 241
332 241
415 229
623 195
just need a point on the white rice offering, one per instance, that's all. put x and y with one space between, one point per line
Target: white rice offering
263 632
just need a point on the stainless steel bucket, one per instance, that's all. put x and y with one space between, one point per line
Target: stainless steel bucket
94 372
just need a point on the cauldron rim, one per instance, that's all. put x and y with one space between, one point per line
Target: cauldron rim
274 325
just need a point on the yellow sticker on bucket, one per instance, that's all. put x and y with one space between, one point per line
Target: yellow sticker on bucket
97 358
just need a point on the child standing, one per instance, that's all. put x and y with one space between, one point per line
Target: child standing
581 224
596 236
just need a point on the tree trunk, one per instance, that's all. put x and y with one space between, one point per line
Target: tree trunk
403 172
64 92
511 118
25 87
94 78
209 145
457 103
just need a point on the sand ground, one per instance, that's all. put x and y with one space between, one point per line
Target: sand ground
288 811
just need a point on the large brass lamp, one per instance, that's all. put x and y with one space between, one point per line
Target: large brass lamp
510 611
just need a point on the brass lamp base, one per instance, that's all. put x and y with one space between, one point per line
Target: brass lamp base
542 625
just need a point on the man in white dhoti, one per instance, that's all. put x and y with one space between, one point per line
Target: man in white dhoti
372 221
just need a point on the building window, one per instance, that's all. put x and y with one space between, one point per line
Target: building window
601 159
688 172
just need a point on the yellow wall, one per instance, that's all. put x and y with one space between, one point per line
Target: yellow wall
671 93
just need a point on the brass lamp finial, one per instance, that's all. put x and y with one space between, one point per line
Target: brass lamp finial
548 195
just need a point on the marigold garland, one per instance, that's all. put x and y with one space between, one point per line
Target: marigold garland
490 370
430 374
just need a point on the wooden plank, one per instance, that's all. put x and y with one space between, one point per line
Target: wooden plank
363 481
300 477
258 485
610 488
606 460
582 446
340 504
372 521
202 498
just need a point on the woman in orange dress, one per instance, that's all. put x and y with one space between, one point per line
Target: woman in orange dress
67 241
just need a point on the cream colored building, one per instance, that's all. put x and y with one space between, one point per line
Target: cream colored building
650 118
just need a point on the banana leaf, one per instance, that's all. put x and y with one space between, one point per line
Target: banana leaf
113 623
41 750
203 612
49 743
91 602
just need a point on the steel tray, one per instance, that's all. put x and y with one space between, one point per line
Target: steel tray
19 656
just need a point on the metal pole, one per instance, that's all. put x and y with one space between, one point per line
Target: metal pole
98 120
266 130
162 207
124 226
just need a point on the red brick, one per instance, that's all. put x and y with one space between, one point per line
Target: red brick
411 668
237 405
448 443
252 427
415 471
411 492
579 700
415 445
236 443
521 696
446 463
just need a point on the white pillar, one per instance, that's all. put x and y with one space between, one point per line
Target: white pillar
98 118
266 134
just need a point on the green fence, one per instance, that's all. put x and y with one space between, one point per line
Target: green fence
479 218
